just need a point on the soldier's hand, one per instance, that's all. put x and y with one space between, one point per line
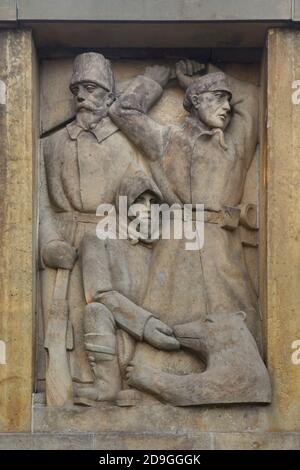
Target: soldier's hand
159 335
59 254
186 69
159 73
189 67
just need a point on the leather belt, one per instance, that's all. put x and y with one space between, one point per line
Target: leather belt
86 218
228 217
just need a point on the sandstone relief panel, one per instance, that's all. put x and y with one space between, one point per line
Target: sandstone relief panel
136 318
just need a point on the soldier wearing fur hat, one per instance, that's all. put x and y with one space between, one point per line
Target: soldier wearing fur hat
84 165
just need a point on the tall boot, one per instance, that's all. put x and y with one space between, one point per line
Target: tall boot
100 343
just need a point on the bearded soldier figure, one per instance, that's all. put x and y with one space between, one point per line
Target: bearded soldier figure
84 164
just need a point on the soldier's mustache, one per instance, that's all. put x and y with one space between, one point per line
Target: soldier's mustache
87 107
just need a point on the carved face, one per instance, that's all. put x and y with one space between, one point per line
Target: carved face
143 215
90 97
213 108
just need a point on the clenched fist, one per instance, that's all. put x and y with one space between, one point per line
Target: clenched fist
159 335
59 254
186 71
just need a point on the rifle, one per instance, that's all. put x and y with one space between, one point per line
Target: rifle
59 339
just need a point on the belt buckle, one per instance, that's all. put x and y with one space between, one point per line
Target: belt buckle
75 217
231 217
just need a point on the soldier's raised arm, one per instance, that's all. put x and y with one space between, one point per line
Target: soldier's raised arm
129 112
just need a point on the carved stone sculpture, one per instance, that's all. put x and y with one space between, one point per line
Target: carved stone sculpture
115 277
203 161
112 329
235 372
84 164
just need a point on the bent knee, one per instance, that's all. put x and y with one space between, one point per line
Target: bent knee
98 316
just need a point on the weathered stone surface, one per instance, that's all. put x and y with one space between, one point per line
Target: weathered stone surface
147 24
121 342
105 441
150 10
145 441
281 172
27 441
281 257
151 419
8 11
61 39
57 103
257 441
57 107
296 10
149 441
17 226
184 174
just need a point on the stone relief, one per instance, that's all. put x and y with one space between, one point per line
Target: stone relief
131 321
